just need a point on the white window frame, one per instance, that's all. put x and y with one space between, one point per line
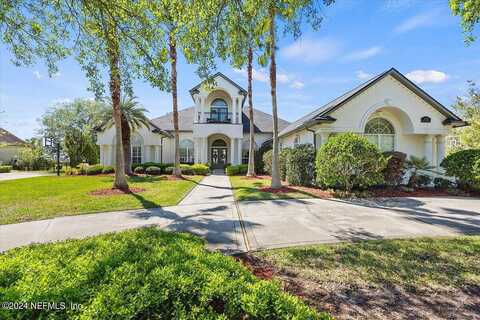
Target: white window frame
187 153
381 138
137 154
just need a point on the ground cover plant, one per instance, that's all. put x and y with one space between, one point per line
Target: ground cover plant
46 197
382 279
140 274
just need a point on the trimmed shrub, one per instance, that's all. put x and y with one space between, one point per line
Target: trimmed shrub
236 170
300 165
139 170
186 169
348 160
82 168
282 162
169 170
69 171
5 169
95 169
476 173
460 164
108 169
153 171
200 169
441 183
395 170
143 273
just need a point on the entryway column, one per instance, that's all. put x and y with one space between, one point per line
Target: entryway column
440 150
428 148
239 151
232 151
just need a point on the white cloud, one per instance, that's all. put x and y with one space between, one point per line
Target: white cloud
258 75
37 74
311 50
427 76
297 84
424 19
363 54
362 75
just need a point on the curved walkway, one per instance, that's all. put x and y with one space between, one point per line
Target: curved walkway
209 211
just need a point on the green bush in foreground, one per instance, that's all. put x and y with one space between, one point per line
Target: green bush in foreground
348 160
5 169
108 169
282 162
140 274
300 165
153 171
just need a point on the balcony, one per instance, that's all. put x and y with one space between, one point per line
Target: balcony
217 117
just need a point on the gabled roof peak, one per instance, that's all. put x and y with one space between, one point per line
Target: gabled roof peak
219 74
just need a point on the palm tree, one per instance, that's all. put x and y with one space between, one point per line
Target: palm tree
415 164
133 117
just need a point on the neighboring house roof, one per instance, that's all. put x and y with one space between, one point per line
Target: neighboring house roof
9 139
263 121
322 114
219 74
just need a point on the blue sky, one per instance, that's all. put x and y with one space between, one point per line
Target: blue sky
357 40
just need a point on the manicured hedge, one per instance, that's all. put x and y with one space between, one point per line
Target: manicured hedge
108 169
460 164
300 165
349 160
282 162
200 169
139 170
145 165
236 170
153 171
5 169
140 274
95 169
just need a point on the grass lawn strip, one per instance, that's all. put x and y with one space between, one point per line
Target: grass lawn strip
46 197
140 274
396 279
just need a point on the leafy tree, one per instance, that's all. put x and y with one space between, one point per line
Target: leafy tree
33 156
293 14
469 109
133 117
74 123
237 41
173 25
469 12
100 33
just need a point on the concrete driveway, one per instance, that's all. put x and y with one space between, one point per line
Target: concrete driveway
22 175
281 223
210 212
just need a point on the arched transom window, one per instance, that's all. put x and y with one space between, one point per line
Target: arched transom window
380 132
186 151
219 111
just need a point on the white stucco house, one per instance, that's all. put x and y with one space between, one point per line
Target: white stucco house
215 130
389 109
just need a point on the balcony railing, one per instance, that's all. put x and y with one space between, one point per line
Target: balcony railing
218 117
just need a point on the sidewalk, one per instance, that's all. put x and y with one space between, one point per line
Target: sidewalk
212 189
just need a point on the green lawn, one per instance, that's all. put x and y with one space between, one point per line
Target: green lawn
249 189
397 279
140 274
46 197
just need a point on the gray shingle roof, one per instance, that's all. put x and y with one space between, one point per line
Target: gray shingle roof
322 113
10 139
263 121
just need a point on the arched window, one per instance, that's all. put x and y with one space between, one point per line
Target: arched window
186 151
137 148
219 143
219 111
380 132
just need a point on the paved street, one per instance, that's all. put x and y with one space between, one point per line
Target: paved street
210 212
21 175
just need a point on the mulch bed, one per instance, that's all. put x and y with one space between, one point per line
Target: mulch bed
113 192
385 301
259 177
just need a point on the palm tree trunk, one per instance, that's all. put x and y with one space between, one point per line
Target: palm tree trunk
251 148
276 182
127 149
120 181
173 61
